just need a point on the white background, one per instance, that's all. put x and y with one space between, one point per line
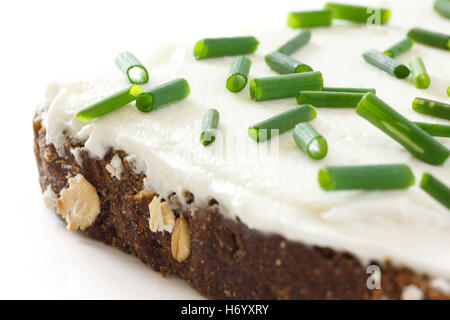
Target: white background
46 40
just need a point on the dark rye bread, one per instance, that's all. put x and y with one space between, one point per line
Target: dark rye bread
227 260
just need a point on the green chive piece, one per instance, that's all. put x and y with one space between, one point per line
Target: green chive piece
359 14
442 7
434 129
310 141
328 99
430 38
281 123
221 47
436 189
399 48
163 95
369 177
448 91
431 108
310 19
131 66
285 86
237 77
387 64
295 43
409 135
284 64
110 104
352 90
210 124
419 73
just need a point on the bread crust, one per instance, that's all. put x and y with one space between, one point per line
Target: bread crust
227 260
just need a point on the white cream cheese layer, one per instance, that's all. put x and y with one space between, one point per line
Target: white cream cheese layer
273 186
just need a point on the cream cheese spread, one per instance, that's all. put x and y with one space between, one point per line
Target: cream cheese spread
273 186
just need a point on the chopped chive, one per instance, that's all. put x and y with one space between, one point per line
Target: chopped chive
434 129
296 42
436 189
282 122
431 108
310 141
442 7
387 64
221 47
131 66
371 177
210 124
399 48
359 14
284 64
237 77
284 86
430 38
448 91
310 19
163 95
352 90
409 135
110 104
419 73
328 99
